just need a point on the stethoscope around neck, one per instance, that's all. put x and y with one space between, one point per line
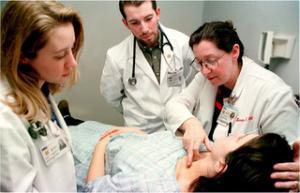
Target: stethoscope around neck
132 80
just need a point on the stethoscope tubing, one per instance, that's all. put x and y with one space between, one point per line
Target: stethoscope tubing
162 44
132 80
134 54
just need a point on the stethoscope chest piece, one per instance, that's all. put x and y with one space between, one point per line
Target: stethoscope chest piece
132 81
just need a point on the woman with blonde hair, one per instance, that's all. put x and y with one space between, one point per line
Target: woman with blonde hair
40 41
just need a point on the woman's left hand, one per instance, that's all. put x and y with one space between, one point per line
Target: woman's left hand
118 130
288 174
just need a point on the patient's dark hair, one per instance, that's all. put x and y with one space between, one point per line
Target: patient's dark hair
250 166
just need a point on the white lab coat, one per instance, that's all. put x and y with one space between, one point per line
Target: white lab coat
265 104
142 105
22 166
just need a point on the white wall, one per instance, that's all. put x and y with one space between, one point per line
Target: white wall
103 29
253 17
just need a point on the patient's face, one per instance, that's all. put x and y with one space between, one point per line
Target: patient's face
223 146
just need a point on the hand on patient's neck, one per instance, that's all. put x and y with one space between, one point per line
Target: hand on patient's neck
187 178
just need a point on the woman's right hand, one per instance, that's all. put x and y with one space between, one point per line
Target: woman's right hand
193 137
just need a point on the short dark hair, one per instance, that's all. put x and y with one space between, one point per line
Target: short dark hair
137 3
222 34
250 166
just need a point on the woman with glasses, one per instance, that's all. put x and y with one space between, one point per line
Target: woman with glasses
232 94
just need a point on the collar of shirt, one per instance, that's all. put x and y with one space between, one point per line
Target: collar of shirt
146 49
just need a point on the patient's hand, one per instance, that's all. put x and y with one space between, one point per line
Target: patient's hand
118 130
288 174
103 141
97 165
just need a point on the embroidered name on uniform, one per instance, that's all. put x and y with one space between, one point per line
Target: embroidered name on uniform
249 118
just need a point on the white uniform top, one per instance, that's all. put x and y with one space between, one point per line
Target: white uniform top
23 168
142 105
264 104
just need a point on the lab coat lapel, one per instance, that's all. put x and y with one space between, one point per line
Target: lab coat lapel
60 119
167 61
207 108
142 63
239 85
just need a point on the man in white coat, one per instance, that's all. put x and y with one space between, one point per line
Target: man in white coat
144 71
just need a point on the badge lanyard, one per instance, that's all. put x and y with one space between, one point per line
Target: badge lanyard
175 78
228 113
51 146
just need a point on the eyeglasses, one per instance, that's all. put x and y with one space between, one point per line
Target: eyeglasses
210 63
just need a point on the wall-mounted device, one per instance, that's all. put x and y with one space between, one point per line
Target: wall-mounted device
275 46
265 47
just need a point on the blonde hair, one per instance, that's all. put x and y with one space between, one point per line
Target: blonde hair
25 26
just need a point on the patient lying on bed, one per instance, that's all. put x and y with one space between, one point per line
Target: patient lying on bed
127 160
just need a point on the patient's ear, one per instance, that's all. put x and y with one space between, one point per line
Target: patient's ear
220 166
24 60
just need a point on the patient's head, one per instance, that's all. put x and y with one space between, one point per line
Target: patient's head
249 167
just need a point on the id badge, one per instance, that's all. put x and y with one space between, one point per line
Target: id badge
175 78
227 115
54 149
